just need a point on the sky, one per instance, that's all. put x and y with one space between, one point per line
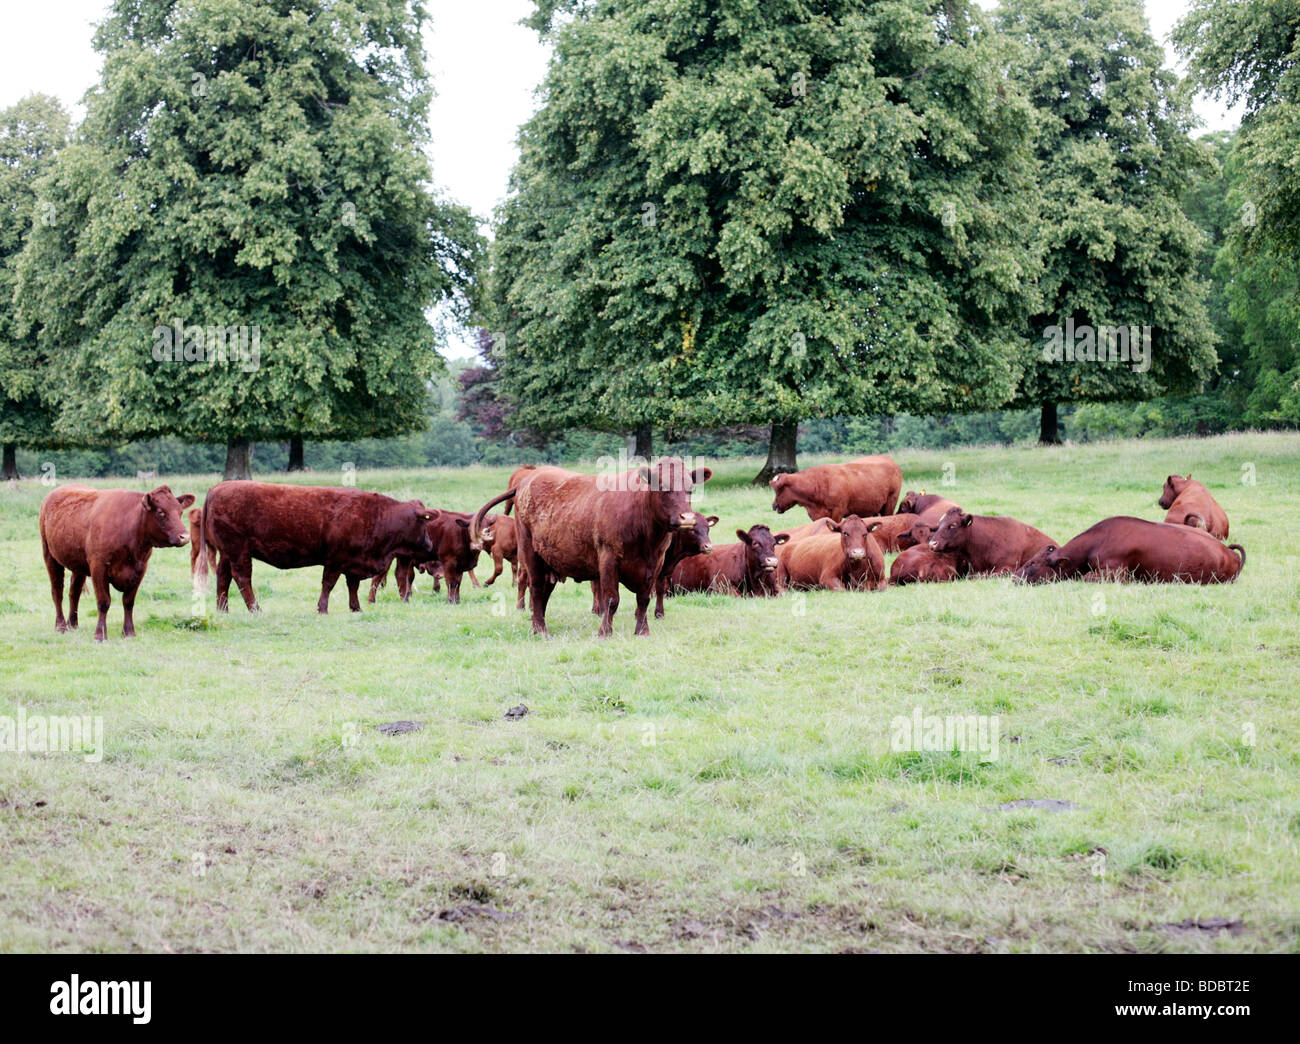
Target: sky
485 67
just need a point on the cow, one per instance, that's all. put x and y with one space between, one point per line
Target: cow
796 533
685 543
921 564
588 527
405 574
500 539
196 525
930 506
1126 548
892 532
863 487
987 544
107 535
517 479
453 555
749 567
849 558
349 532
1190 504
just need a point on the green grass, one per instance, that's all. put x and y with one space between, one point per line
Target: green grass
727 784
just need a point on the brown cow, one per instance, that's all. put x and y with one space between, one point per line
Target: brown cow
921 564
1190 504
452 556
685 543
350 532
107 535
517 479
930 506
594 527
987 544
500 539
892 532
796 533
196 526
847 559
863 487
749 567
1124 548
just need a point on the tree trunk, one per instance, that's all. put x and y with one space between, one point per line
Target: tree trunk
11 462
780 452
1049 429
644 442
295 453
239 459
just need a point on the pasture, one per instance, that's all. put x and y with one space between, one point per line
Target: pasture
727 784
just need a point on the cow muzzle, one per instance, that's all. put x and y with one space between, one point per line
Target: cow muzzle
857 554
769 564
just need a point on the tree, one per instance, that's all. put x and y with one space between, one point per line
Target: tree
1249 51
31 134
1120 256
757 213
246 241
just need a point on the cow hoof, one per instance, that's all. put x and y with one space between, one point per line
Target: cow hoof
61 628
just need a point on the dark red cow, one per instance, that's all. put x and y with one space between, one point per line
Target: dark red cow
1125 548
863 487
107 535
930 506
921 564
750 567
350 532
1190 504
847 559
892 532
987 544
685 543
594 527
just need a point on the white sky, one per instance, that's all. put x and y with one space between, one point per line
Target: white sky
485 67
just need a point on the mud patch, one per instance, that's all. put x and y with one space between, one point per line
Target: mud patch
1197 926
516 712
1045 804
397 728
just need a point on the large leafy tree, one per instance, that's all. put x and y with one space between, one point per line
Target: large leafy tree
31 134
764 212
1115 156
253 166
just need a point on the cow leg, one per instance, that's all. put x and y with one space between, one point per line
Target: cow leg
103 597
642 604
223 584
354 584
661 589
376 582
327 581
498 562
56 591
405 577
128 609
474 579
540 582
452 576
596 607
520 577
242 568
74 598
608 593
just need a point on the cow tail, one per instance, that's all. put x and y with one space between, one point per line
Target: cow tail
1241 551
201 566
476 527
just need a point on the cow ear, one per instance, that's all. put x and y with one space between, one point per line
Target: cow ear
968 520
781 538
874 526
185 501
463 523
700 475
775 481
148 502
744 536
833 526
644 475
712 520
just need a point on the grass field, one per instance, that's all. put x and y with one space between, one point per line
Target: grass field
727 784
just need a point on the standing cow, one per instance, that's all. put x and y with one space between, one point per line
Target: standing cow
350 532
107 535
588 527
1190 504
863 487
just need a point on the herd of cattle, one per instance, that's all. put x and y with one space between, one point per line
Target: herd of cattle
636 530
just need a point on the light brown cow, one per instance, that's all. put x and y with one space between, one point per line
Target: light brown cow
863 487
846 559
1190 504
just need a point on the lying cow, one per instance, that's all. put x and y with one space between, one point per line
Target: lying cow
863 487
921 564
987 544
930 506
749 567
892 532
849 558
576 527
350 532
1124 548
107 535
1190 504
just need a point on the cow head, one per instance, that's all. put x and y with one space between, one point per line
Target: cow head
1174 485
1049 564
853 537
920 533
760 549
415 528
695 541
486 537
160 521
786 498
951 533
907 506
671 484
